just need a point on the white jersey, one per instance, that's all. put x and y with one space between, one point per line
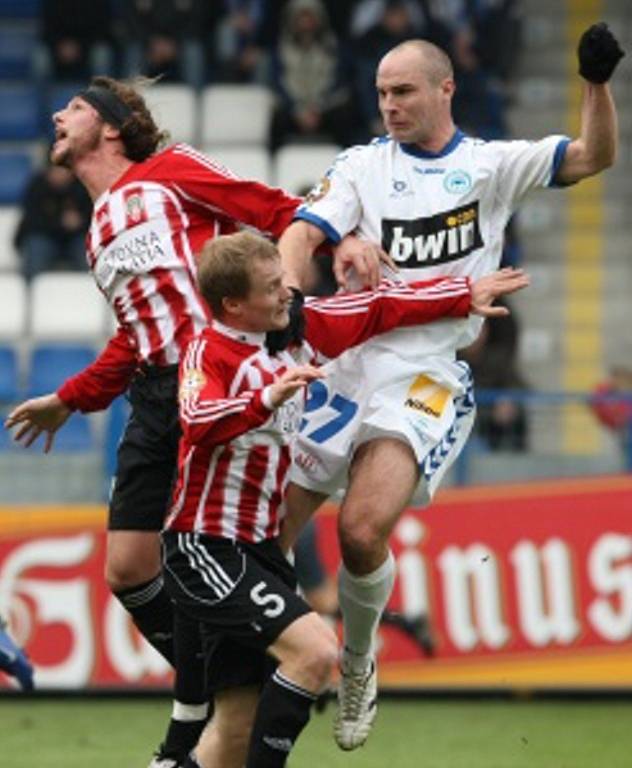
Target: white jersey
436 214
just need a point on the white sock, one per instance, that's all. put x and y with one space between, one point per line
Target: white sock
188 713
362 601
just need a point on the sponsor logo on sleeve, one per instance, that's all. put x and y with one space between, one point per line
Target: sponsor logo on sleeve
193 381
318 191
428 241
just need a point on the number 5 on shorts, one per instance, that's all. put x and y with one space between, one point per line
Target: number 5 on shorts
275 603
318 397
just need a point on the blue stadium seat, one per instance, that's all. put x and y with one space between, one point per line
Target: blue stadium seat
20 9
9 376
75 435
16 168
20 113
6 441
17 43
51 364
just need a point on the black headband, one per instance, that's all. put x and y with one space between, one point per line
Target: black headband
107 104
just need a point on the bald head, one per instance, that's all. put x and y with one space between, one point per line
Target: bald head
415 87
421 54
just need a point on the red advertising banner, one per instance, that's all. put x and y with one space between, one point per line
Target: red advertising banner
525 587
53 592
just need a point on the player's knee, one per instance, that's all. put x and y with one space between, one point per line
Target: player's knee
321 656
359 538
124 574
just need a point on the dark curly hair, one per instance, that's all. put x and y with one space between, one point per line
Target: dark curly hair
140 135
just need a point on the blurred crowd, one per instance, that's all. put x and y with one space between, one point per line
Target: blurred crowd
319 56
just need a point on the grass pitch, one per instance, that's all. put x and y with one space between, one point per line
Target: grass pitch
121 733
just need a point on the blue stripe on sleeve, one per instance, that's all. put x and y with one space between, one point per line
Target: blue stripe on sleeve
323 225
558 158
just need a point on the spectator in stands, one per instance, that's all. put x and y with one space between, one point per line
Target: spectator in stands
167 37
376 27
242 40
55 218
613 413
308 75
502 424
75 40
484 43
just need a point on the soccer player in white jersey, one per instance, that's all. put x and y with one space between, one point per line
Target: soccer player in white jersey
240 409
437 201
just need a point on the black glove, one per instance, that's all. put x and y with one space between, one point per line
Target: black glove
599 53
276 341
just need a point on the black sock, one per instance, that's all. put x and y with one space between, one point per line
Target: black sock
190 681
182 736
282 713
191 707
152 612
190 762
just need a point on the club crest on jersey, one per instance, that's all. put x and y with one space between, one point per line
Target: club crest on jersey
135 207
427 396
457 182
318 191
193 381
432 240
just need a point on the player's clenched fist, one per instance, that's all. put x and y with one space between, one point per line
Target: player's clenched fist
291 381
599 53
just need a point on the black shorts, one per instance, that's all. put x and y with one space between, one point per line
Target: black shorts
147 456
243 595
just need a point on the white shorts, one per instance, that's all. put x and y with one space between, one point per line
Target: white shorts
429 407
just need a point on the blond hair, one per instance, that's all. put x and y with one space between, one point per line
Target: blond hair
225 266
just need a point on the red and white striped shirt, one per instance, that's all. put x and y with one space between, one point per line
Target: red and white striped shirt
235 452
145 232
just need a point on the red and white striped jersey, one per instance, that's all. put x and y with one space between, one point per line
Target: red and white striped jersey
146 229
235 452
141 244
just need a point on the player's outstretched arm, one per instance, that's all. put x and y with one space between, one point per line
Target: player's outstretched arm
595 149
39 415
487 289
